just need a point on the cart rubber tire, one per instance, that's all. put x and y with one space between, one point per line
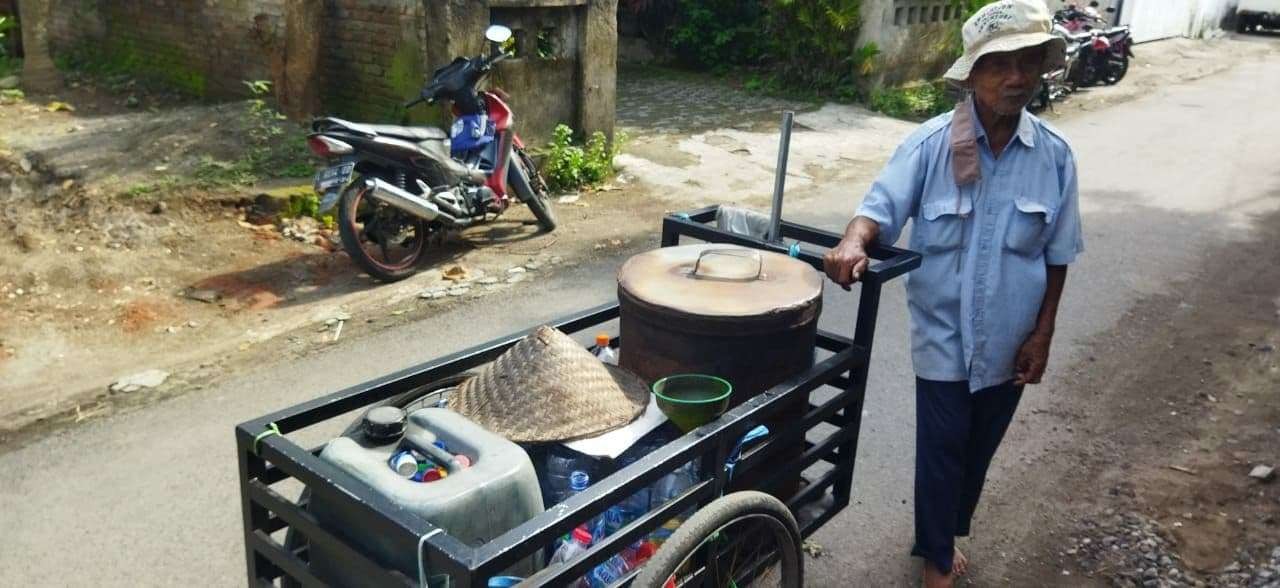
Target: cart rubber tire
711 519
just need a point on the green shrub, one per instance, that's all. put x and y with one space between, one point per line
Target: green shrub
717 34
9 65
916 101
570 166
7 23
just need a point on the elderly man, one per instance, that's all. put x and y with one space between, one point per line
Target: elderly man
991 194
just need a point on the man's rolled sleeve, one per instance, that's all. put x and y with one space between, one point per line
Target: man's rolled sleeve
1067 240
895 194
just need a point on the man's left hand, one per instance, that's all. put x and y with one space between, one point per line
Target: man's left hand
1033 357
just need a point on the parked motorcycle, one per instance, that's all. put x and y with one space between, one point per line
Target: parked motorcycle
399 187
1058 83
1093 56
1104 50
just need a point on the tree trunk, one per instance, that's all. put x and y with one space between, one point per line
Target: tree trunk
39 76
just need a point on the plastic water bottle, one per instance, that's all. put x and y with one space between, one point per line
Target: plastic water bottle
608 523
674 484
578 544
609 572
669 487
578 481
602 350
558 464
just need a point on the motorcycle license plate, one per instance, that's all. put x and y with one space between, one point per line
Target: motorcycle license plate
334 177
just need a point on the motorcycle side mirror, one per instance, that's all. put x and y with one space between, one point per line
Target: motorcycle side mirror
497 34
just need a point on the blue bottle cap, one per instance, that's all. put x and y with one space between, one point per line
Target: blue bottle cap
579 480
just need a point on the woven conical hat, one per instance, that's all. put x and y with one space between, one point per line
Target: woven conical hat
549 388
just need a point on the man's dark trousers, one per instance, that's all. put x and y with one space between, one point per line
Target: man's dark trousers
957 433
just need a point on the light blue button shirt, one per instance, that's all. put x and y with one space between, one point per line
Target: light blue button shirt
976 296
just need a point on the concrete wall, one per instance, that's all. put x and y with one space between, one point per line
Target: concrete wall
370 56
917 38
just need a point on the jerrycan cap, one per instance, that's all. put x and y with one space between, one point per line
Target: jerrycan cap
384 424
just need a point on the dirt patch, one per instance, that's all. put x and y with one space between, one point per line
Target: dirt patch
138 315
1171 412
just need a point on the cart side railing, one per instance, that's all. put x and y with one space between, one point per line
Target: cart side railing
267 457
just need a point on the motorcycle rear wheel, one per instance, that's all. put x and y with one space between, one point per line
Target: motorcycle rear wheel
369 227
1116 69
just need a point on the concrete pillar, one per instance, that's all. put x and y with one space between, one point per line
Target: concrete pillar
39 75
598 60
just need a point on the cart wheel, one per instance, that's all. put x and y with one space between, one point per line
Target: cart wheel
754 535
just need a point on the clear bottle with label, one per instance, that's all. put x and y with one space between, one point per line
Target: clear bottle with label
602 350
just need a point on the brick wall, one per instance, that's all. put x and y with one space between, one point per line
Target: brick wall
373 54
204 48
372 58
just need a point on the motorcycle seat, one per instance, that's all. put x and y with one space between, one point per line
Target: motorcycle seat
415 134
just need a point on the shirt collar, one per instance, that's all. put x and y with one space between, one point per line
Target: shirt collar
1026 131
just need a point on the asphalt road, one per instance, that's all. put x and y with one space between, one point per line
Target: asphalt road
151 498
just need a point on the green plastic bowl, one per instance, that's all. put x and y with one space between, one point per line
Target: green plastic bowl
692 400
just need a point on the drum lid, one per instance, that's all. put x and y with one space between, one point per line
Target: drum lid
716 280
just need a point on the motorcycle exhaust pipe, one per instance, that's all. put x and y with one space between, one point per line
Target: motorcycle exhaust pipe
411 203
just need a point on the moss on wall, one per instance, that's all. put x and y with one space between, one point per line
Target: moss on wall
148 59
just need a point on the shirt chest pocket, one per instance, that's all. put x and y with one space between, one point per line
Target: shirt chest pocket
940 227
1030 225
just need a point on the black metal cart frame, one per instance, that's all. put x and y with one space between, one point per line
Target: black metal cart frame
267 457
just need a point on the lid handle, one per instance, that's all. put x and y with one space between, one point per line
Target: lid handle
706 268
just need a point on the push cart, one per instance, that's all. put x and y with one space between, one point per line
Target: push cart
700 552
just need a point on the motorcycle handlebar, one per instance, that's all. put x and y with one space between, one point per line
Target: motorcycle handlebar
489 63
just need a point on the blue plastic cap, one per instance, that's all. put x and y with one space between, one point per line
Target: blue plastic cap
579 480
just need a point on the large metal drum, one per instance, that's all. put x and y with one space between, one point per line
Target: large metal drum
748 316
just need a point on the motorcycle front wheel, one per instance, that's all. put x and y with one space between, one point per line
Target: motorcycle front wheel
386 242
523 177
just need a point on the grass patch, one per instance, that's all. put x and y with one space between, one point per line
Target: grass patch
159 185
276 148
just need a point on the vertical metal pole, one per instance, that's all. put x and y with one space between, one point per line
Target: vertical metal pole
863 336
780 177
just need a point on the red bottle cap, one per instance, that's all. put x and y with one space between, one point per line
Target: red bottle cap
582 535
432 475
645 551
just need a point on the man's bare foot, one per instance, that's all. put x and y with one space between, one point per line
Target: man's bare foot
959 563
934 578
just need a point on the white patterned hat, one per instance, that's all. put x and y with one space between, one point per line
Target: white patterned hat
1008 25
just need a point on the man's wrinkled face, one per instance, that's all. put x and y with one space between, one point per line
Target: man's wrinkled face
1005 82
